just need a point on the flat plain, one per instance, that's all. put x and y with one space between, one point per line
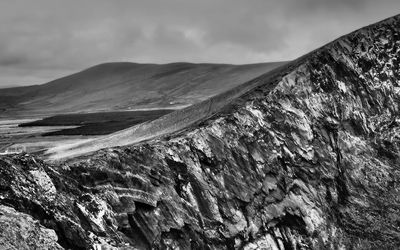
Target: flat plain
35 135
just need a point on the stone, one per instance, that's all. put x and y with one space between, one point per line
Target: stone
308 159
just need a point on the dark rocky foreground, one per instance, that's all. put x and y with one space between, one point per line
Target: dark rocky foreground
310 162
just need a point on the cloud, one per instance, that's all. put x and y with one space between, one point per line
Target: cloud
331 5
45 39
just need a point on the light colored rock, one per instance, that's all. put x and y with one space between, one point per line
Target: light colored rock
21 231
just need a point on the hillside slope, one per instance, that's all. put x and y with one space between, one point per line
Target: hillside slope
306 158
122 86
191 115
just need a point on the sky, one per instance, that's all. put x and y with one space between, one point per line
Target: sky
43 40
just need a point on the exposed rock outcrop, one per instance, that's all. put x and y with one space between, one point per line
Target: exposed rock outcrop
20 231
307 161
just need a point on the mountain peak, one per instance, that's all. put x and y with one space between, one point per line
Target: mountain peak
352 55
305 156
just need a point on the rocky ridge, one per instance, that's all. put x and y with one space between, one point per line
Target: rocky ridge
308 160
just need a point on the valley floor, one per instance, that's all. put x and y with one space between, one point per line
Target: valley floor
35 135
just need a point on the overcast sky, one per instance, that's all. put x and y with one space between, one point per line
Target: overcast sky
42 40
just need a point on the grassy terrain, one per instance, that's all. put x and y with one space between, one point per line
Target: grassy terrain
96 123
175 121
123 86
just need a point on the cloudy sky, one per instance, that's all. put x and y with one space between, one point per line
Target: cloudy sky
45 39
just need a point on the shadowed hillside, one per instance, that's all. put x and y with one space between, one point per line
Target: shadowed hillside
123 86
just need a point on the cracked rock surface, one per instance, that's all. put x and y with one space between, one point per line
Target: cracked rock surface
310 161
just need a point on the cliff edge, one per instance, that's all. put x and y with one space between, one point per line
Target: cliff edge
307 159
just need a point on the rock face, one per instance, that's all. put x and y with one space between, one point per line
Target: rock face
20 231
309 160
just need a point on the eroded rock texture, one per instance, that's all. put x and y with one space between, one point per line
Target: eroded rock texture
310 161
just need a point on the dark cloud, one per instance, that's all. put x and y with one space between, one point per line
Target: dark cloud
331 5
45 39
11 60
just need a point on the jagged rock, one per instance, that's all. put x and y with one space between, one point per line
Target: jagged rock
308 160
21 231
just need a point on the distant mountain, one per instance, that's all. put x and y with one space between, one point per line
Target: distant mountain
340 52
122 86
306 156
8 86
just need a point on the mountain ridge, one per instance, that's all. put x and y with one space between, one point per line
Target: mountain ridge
305 157
168 123
124 86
